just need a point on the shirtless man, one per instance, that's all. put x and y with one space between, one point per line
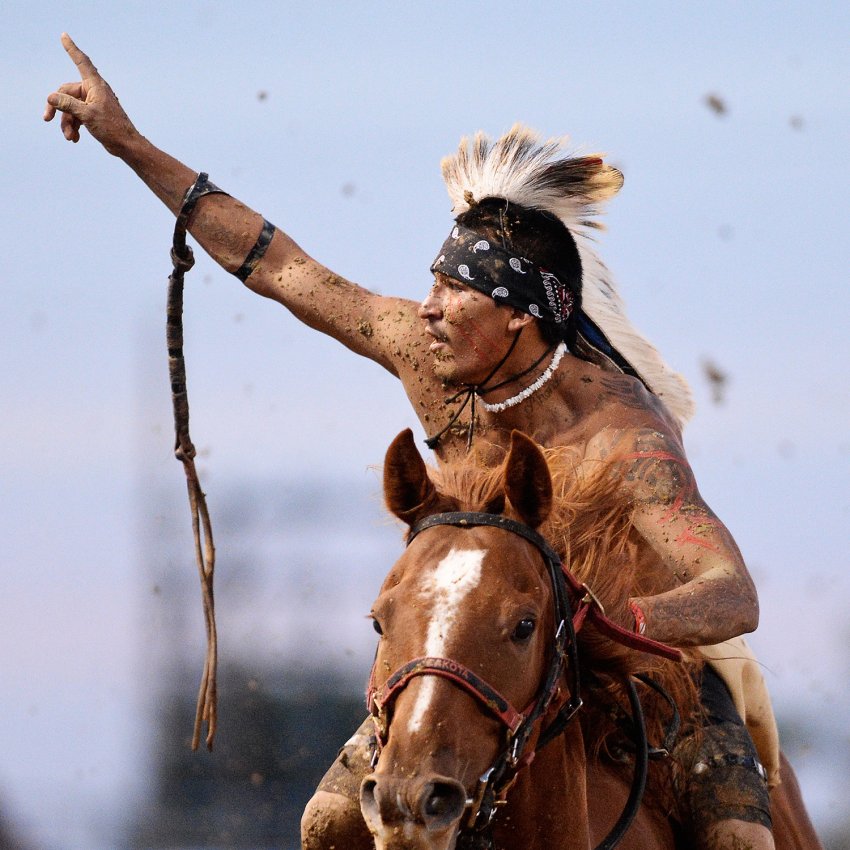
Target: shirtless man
504 324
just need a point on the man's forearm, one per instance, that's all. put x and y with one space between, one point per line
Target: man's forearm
225 228
222 225
707 610
267 260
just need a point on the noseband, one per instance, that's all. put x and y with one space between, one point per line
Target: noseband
574 605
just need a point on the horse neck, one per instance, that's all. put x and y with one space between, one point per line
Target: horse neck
547 808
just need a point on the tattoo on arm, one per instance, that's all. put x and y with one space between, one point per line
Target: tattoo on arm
660 477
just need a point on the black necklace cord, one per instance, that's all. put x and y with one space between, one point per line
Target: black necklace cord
183 260
470 391
468 396
480 390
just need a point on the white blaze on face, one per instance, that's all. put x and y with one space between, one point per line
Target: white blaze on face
455 576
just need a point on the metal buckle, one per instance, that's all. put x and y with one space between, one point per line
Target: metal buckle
474 803
572 708
515 751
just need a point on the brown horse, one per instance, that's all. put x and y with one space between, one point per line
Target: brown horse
469 677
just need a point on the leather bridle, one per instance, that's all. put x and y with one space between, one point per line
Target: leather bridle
574 606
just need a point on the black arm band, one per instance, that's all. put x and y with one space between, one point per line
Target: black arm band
257 252
202 186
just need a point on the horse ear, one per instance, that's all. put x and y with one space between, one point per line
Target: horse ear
407 487
528 483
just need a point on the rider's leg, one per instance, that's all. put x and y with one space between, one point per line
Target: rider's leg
332 819
725 785
736 835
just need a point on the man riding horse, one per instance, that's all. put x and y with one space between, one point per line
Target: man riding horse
522 329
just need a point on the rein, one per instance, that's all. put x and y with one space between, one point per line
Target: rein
182 259
575 605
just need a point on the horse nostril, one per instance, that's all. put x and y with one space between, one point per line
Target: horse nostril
368 804
367 787
444 801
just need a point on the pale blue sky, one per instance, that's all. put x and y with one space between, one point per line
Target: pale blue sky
729 240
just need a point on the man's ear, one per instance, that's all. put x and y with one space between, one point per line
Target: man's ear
519 320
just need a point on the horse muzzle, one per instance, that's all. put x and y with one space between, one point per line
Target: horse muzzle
419 813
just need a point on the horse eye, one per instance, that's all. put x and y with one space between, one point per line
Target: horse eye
524 629
377 626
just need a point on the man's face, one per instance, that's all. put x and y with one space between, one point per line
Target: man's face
470 330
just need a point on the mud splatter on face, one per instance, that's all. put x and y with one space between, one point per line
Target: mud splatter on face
458 309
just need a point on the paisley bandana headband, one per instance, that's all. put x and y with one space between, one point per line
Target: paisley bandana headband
507 278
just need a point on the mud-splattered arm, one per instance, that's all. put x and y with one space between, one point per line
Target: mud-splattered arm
712 596
369 324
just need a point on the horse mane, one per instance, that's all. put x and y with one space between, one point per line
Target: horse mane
590 526
591 530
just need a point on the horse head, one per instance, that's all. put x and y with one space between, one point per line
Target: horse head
467 624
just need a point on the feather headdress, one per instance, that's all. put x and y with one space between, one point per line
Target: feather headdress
524 170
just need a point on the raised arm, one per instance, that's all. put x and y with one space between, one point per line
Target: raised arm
712 597
228 230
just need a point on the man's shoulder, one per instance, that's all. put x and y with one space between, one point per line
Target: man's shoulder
612 412
632 434
388 329
624 401
649 458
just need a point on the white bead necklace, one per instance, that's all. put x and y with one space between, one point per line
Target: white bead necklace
499 406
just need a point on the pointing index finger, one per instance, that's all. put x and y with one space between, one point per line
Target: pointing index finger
83 63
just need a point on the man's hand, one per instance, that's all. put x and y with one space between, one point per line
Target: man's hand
90 102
